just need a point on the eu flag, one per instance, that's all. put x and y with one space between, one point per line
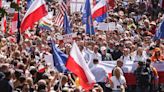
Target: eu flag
160 32
87 18
101 18
67 29
59 58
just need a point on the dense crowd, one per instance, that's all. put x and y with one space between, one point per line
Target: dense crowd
23 67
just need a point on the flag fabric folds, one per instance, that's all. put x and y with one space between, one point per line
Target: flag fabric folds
4 24
44 25
58 20
77 65
14 21
67 28
87 18
59 58
59 17
46 22
160 32
99 11
36 11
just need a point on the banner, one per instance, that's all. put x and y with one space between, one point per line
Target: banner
129 68
67 38
107 26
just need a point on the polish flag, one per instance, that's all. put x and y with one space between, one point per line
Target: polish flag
99 9
3 24
36 11
77 65
14 22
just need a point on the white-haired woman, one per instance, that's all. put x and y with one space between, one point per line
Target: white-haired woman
118 82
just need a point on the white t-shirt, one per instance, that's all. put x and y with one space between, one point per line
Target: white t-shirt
99 72
140 58
117 82
126 59
94 56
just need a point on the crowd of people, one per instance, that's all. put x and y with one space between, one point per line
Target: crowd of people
23 67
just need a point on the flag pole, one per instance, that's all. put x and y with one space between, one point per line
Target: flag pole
18 35
107 5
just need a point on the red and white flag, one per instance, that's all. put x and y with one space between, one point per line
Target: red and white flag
3 24
77 65
13 27
99 9
36 11
110 3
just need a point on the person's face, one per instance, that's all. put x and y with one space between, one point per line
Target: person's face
127 34
139 51
103 52
119 64
132 48
64 81
3 42
90 47
152 26
13 47
126 52
25 88
67 48
96 49
148 63
157 53
28 43
157 42
120 48
111 45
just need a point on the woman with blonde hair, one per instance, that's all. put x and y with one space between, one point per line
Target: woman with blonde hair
118 82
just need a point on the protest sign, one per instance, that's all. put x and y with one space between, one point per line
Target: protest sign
67 38
107 26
